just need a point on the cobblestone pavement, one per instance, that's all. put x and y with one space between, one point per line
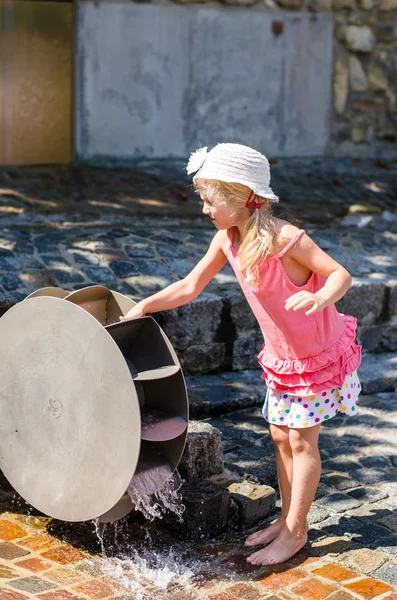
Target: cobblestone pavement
134 233
351 554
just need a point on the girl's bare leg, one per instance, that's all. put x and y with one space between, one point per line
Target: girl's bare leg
305 478
280 438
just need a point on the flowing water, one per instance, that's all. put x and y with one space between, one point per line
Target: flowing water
154 506
146 571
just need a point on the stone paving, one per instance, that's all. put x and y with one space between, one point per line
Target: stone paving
134 232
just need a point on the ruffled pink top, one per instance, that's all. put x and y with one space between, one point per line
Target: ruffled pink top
302 355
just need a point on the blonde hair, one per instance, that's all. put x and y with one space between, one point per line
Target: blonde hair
260 233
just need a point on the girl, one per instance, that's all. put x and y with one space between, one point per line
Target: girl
309 357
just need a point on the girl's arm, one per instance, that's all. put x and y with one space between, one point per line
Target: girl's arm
183 291
338 280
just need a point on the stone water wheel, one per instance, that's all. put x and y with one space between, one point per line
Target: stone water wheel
89 405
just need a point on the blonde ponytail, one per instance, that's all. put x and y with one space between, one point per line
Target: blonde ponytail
259 235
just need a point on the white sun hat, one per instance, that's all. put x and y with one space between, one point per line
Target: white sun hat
233 163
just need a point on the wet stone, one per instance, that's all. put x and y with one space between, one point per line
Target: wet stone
207 510
203 454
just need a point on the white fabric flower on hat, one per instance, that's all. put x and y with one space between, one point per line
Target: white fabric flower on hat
196 160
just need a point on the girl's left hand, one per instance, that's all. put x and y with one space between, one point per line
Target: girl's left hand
303 300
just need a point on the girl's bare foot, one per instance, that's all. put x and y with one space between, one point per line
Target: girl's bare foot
281 549
265 536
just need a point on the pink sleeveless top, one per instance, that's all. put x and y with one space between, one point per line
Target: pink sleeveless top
302 355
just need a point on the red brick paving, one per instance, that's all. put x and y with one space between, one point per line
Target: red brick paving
94 589
312 589
279 580
11 595
58 595
10 531
34 564
368 588
335 572
64 555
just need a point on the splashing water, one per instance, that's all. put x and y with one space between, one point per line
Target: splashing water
154 506
100 533
139 572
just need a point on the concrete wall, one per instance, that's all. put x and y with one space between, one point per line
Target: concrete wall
156 81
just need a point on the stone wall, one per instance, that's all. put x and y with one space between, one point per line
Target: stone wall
364 120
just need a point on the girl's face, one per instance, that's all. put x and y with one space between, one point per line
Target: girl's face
219 213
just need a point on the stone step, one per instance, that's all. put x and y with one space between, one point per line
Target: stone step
229 336
229 391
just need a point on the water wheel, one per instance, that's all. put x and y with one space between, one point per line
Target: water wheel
89 405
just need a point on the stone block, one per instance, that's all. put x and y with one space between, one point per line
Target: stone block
195 323
364 300
254 502
239 2
290 3
392 285
360 38
385 5
377 78
381 337
245 351
367 4
220 399
338 503
342 4
205 358
341 84
389 521
242 316
378 373
370 105
358 77
386 33
206 513
203 454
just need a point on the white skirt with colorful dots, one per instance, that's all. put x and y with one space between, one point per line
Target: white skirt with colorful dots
306 411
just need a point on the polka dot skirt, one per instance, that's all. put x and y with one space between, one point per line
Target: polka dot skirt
306 411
